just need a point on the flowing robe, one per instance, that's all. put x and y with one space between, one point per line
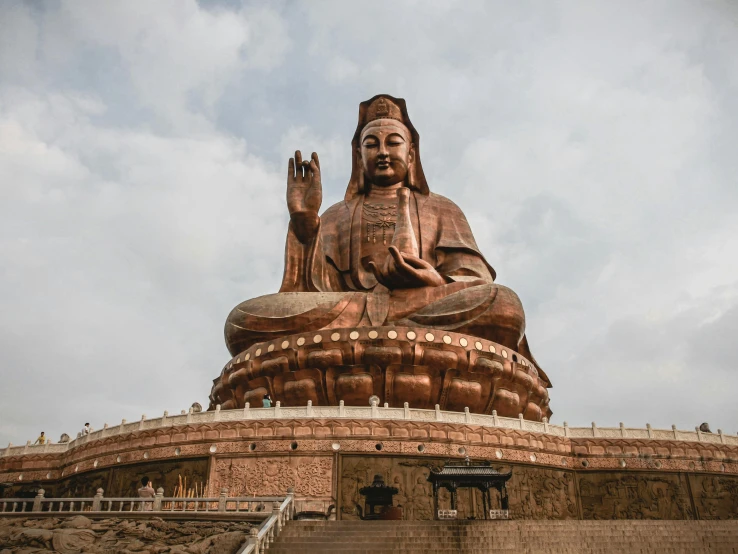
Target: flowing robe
326 284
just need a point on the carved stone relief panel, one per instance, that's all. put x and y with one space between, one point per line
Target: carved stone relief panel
271 476
540 493
619 495
408 475
533 493
126 480
82 484
715 496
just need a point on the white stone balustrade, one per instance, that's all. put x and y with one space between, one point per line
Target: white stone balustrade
379 413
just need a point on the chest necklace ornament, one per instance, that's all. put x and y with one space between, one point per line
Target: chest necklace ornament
379 217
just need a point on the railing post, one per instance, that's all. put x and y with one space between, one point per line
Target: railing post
406 407
375 410
164 418
37 500
439 417
674 430
722 437
545 424
247 411
595 432
341 409
277 408
276 514
699 434
189 415
141 423
97 501
216 416
566 429
521 421
467 415
291 503
495 419
253 539
622 429
309 409
649 431
157 499
222 500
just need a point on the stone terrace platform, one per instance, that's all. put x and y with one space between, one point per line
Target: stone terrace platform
328 453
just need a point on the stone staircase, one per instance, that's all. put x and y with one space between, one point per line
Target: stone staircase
510 537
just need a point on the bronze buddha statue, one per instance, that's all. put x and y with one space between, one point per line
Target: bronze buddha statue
391 256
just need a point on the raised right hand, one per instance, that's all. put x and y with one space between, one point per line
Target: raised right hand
304 190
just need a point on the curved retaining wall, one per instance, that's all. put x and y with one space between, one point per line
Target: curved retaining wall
328 453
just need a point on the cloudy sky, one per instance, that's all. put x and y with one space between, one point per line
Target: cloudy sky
143 155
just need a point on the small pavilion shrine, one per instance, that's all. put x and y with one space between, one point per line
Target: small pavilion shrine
468 474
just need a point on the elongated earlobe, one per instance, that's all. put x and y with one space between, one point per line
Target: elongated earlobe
361 180
411 178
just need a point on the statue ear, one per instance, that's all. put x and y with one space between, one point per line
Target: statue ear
360 168
361 180
411 180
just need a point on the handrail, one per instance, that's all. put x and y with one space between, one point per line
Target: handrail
261 538
159 503
375 412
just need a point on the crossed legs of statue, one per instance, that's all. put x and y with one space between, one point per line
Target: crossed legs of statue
484 310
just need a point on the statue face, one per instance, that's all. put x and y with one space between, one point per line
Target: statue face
386 152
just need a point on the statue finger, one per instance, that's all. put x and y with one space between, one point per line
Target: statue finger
314 156
416 262
377 273
291 170
400 265
315 168
298 163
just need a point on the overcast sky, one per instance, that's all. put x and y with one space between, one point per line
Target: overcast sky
143 156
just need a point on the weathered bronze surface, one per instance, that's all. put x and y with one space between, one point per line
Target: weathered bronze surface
392 253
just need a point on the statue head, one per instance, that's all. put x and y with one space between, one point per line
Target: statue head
385 148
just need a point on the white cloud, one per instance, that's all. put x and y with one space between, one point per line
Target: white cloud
143 149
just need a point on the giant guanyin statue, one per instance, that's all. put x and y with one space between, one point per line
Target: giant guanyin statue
386 293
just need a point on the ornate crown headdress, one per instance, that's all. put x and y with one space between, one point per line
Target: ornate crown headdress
382 108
